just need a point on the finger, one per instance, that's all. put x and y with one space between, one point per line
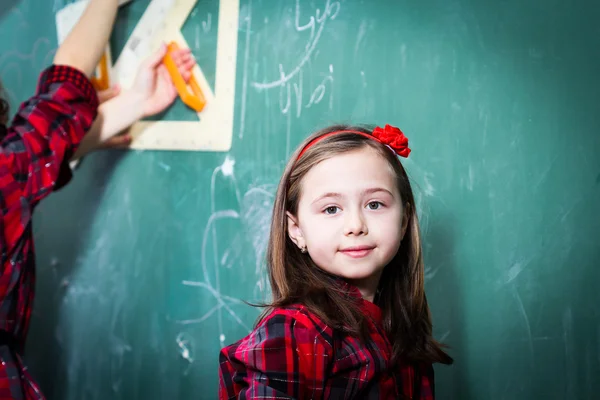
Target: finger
188 65
179 53
186 70
186 75
181 56
109 93
117 142
122 143
156 58
184 60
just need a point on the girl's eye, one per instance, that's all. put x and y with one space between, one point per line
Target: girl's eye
331 210
374 205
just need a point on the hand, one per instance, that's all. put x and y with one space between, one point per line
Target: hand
154 84
152 92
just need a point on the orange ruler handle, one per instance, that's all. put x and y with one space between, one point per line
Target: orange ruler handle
102 82
194 99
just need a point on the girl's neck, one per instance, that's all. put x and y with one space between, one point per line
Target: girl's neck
367 286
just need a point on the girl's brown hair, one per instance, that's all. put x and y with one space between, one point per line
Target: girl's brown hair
296 279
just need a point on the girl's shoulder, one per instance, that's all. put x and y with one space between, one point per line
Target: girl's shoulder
297 315
285 324
289 349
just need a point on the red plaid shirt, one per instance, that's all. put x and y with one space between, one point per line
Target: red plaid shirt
292 354
34 154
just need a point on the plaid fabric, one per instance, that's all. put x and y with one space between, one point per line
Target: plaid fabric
292 354
34 154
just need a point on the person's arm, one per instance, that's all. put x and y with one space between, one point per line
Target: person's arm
85 44
114 116
285 357
48 127
36 147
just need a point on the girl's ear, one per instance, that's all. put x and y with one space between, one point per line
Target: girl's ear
294 231
405 217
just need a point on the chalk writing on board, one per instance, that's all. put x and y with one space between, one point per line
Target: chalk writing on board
253 211
316 23
185 343
295 92
11 65
286 95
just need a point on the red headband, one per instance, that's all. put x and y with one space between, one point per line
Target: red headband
391 136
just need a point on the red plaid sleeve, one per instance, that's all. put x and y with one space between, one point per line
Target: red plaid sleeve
286 357
36 147
46 132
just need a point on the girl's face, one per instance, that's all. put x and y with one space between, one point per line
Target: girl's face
350 217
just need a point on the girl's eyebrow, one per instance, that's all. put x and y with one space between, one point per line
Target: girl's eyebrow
375 190
336 195
326 195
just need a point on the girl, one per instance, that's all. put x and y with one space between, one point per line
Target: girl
349 317
35 150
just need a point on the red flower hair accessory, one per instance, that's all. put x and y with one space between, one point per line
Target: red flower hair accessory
391 136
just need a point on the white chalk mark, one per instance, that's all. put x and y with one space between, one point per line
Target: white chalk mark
259 214
288 135
310 47
206 25
285 92
225 257
210 227
471 179
525 320
185 344
428 189
256 215
444 336
516 269
298 91
227 166
571 366
319 92
219 297
209 288
164 166
544 175
201 319
259 190
245 75
362 31
430 272
16 55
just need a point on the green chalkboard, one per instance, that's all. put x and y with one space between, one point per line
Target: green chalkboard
144 260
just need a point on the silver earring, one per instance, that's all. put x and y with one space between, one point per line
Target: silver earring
303 249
